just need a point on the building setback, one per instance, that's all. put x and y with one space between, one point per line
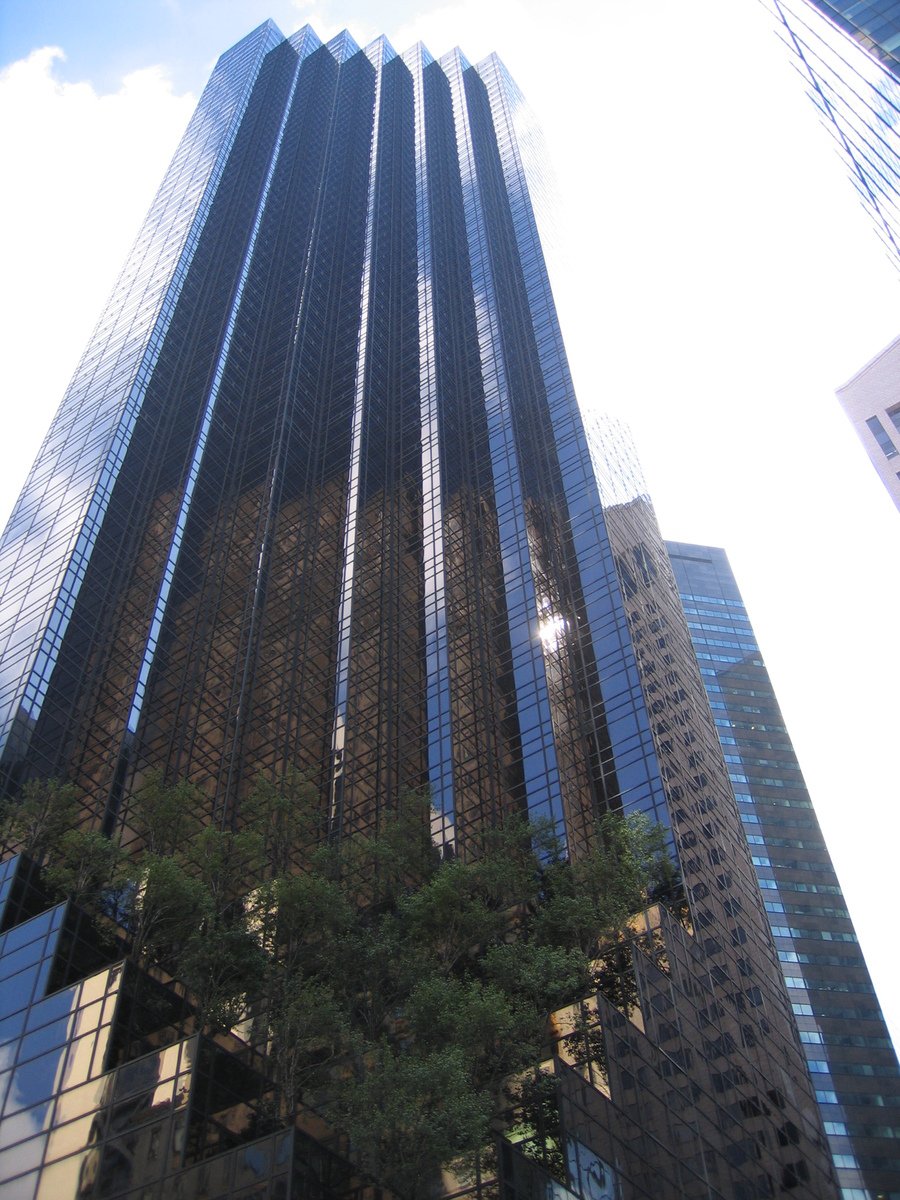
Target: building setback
319 498
844 1036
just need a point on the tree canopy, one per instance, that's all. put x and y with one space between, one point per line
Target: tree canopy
398 991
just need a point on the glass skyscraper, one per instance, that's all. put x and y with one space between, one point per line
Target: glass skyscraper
319 499
848 53
844 1036
875 24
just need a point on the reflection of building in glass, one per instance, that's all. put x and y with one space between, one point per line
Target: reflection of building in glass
843 1033
871 399
857 95
107 1087
319 498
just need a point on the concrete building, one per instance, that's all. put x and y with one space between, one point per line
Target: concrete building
871 400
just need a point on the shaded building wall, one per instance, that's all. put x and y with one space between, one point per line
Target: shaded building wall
844 1036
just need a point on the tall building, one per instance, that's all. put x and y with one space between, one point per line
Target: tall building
872 402
847 52
875 24
844 1036
319 498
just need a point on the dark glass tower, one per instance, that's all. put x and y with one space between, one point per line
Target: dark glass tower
319 498
844 1036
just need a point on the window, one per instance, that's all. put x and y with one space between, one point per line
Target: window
881 436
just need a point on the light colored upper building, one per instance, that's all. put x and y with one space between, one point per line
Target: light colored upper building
871 399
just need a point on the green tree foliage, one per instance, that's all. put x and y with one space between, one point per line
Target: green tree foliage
286 815
85 866
188 908
168 906
410 1112
165 816
222 965
36 822
405 991
398 992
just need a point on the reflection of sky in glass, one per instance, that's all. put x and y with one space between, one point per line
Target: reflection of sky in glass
614 459
304 46
57 518
49 1046
528 668
440 754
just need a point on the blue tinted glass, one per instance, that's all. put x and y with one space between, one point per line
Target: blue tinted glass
33 1081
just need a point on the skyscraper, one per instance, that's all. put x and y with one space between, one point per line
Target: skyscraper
874 24
848 52
849 58
844 1035
319 498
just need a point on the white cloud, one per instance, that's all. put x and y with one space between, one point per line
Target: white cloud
309 12
86 166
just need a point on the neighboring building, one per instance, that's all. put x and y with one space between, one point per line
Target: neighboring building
875 24
844 1036
857 92
852 63
319 497
871 399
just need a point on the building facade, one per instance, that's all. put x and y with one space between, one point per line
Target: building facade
319 499
871 400
845 1039
847 53
875 24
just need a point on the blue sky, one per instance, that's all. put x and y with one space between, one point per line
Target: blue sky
716 281
107 39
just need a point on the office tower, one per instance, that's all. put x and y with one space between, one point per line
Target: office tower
848 52
875 24
846 1042
870 401
319 499
857 93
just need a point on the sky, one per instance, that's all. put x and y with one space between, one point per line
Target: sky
717 281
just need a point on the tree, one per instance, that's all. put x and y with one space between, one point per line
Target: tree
85 866
222 965
35 823
287 815
406 992
410 1112
589 901
165 816
406 995
168 906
